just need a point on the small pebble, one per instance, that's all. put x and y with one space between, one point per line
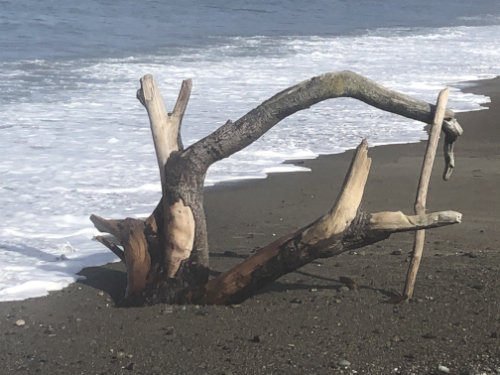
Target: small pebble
344 363
397 252
396 338
167 310
444 369
20 323
344 288
130 366
350 283
429 336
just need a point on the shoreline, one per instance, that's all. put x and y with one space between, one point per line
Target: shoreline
323 187
305 322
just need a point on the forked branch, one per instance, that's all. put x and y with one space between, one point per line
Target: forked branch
165 127
343 228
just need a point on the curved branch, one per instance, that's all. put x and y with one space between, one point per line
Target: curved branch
234 136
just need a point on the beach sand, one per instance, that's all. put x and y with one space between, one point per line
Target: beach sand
306 322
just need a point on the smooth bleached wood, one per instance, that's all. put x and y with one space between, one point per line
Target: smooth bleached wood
180 236
165 127
346 207
423 186
179 225
393 222
295 250
452 130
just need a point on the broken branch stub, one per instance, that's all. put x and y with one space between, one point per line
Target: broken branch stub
344 210
452 131
398 222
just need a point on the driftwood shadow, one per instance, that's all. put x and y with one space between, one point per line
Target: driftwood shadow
111 279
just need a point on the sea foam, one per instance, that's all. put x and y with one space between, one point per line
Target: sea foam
75 141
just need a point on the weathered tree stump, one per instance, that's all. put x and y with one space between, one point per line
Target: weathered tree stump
167 255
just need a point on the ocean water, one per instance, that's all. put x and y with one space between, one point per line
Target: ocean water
74 140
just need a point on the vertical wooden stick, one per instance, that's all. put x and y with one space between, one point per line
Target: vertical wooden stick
423 185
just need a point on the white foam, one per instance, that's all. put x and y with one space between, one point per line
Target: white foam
87 149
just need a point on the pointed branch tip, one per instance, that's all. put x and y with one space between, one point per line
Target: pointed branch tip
393 222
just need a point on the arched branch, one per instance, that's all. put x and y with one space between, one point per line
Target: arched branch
234 136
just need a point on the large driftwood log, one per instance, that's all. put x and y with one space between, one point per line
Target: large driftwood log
166 255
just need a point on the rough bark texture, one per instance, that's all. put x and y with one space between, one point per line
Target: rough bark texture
234 136
167 254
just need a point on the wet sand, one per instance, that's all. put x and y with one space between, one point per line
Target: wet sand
307 322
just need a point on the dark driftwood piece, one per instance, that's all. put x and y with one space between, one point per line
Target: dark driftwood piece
167 254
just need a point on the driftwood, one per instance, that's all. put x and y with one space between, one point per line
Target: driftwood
167 255
423 186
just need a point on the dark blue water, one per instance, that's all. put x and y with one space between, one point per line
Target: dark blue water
36 29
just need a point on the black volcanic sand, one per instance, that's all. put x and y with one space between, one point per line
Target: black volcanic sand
307 322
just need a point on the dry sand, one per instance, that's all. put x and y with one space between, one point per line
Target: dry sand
307 322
